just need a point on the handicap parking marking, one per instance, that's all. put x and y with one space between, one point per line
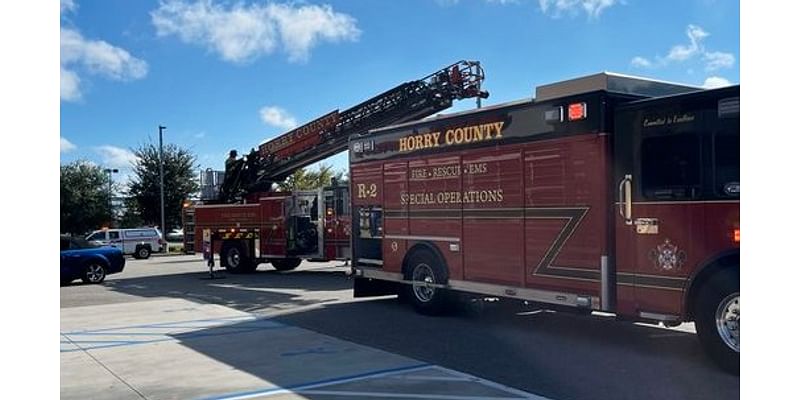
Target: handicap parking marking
220 354
328 387
162 332
276 390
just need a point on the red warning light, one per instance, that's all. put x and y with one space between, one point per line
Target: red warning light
576 111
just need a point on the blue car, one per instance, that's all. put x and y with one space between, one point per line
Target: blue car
88 262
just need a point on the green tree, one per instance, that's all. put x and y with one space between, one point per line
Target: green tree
303 179
130 217
84 198
179 184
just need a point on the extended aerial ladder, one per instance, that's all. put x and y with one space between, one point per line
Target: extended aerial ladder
280 157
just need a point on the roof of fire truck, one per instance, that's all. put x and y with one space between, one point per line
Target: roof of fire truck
604 81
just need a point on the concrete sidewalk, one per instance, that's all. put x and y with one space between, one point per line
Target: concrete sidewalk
179 349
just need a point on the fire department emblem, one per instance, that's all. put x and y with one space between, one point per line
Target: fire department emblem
667 256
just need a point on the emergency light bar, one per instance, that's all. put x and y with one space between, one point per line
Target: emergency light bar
576 111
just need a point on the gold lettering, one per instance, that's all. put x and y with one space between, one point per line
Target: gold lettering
478 132
436 138
428 141
498 127
454 136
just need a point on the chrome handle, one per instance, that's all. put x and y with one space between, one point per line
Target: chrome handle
625 207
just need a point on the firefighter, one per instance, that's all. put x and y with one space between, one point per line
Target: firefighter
455 76
231 161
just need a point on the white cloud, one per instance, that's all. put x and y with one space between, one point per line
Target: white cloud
70 85
66 145
716 60
277 117
716 82
240 33
694 50
95 57
592 8
116 157
682 52
99 57
68 6
641 62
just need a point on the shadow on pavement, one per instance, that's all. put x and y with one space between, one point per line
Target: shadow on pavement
557 355
259 291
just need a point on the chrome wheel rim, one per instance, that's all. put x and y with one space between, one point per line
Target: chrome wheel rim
143 253
727 317
233 257
423 281
95 273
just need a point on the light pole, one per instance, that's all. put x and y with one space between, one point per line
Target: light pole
110 171
161 174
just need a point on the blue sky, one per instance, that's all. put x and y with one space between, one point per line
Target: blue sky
229 74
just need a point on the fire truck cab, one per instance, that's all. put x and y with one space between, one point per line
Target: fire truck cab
607 193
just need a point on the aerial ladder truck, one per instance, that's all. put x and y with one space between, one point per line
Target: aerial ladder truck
249 223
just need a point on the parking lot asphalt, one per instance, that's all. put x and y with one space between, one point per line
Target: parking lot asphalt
161 330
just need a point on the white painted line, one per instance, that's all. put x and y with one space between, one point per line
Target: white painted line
433 378
279 390
384 395
517 392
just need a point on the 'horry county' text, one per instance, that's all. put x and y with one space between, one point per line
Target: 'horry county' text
454 136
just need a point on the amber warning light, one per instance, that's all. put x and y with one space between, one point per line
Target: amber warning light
736 235
576 111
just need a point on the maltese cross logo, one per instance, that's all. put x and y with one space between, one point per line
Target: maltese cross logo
667 256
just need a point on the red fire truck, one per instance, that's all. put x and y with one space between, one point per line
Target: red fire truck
248 224
607 193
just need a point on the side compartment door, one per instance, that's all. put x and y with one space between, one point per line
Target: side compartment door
304 224
659 213
272 236
337 222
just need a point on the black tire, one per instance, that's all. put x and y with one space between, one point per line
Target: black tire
94 272
234 257
285 264
719 297
424 266
142 253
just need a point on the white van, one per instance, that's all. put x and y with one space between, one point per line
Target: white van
141 242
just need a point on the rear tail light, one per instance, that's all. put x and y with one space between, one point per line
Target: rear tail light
736 235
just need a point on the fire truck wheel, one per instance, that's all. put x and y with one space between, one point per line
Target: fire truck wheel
424 269
717 320
285 264
235 259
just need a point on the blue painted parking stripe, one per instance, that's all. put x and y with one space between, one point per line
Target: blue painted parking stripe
167 324
255 324
183 336
313 384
